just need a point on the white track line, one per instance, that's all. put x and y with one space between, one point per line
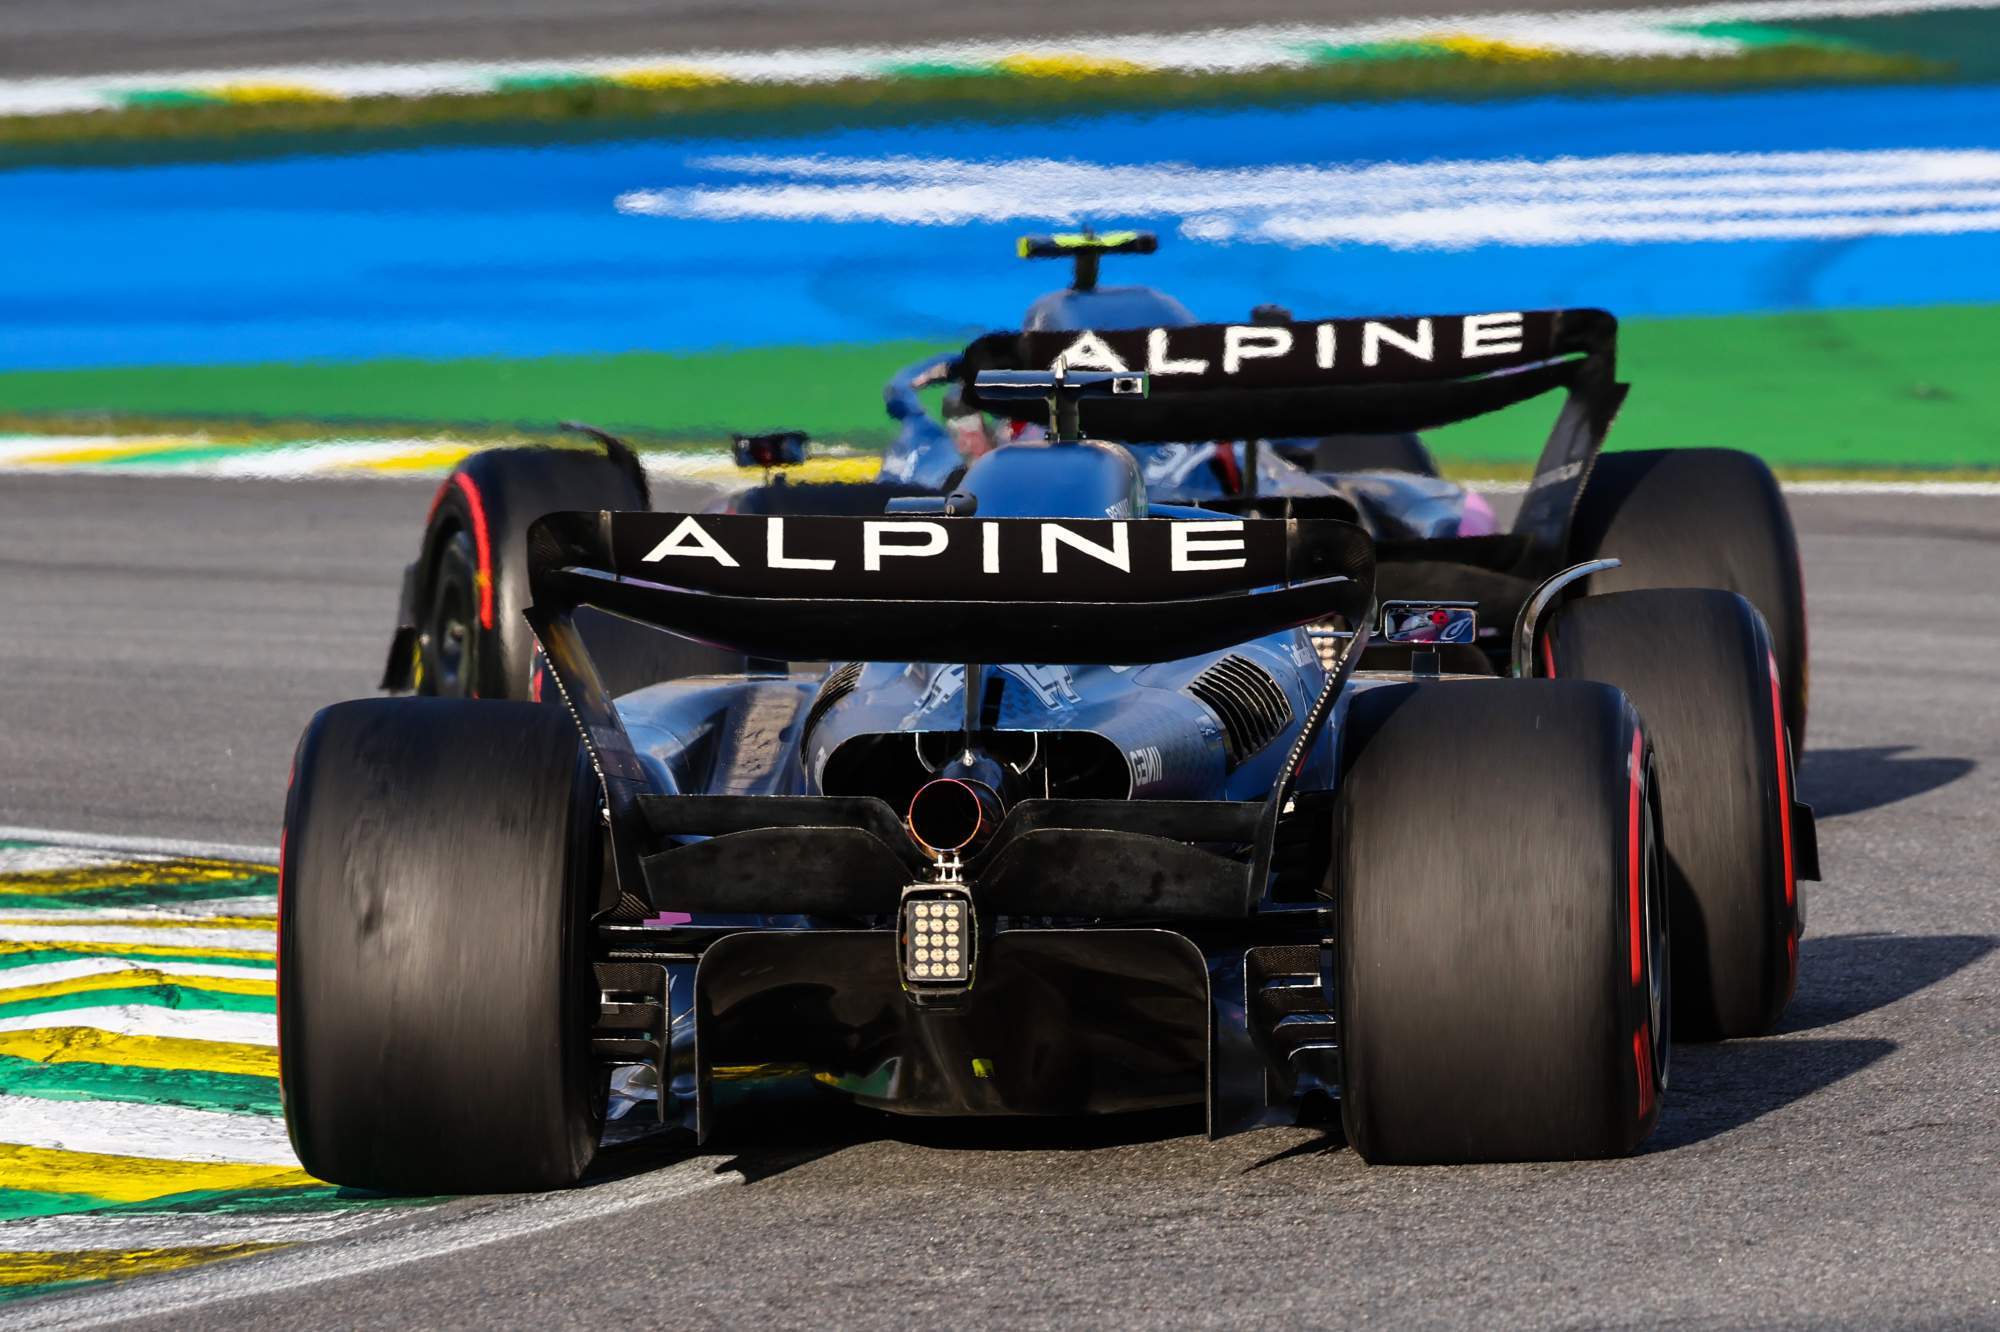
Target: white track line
163 846
189 1024
1971 488
1620 197
1933 489
153 1130
426 1237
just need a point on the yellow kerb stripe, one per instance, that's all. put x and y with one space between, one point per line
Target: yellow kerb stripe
1488 48
668 76
271 92
138 921
49 882
437 458
143 952
88 1045
34 1269
1068 67
95 453
134 978
133 1178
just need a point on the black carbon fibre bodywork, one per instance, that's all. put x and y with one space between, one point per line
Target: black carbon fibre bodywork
1151 913
759 852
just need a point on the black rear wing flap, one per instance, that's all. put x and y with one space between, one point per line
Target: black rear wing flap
1341 376
1070 591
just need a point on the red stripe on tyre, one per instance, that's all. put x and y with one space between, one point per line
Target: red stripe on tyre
1632 855
484 548
1784 782
1642 1063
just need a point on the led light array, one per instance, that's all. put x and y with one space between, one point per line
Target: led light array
937 940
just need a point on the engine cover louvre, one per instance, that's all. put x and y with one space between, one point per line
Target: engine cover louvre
1251 706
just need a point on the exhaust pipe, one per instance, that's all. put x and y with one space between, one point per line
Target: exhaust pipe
953 814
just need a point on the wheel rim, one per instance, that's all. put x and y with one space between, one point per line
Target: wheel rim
449 641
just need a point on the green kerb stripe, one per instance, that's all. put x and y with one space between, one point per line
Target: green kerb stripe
155 996
134 953
20 1204
143 894
240 1093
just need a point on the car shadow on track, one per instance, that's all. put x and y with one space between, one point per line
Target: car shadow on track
1847 781
759 1141
1715 1089
1845 975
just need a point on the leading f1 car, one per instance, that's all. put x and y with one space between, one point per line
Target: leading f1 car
1098 804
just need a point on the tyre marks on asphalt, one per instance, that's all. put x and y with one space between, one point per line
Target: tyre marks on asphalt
140 1125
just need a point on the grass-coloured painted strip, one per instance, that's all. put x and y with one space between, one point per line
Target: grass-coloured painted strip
833 391
179 996
1904 388
15 956
19 1203
1907 387
191 1088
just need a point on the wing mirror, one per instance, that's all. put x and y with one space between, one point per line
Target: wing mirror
1430 622
782 448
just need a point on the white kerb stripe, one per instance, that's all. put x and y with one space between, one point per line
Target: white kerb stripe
188 1024
160 1132
49 973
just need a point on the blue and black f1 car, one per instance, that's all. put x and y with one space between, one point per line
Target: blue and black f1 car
1099 804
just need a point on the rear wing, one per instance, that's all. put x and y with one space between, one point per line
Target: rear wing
1330 376
902 588
1339 376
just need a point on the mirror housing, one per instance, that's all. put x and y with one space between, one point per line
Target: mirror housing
782 448
1430 622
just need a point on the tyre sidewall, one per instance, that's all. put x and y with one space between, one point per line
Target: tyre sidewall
1698 665
1713 518
434 987
1486 1002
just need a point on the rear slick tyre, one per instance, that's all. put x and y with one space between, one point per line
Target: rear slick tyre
1699 666
1702 518
1501 945
472 580
435 995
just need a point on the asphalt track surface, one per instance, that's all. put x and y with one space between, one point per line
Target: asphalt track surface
125 36
164 641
